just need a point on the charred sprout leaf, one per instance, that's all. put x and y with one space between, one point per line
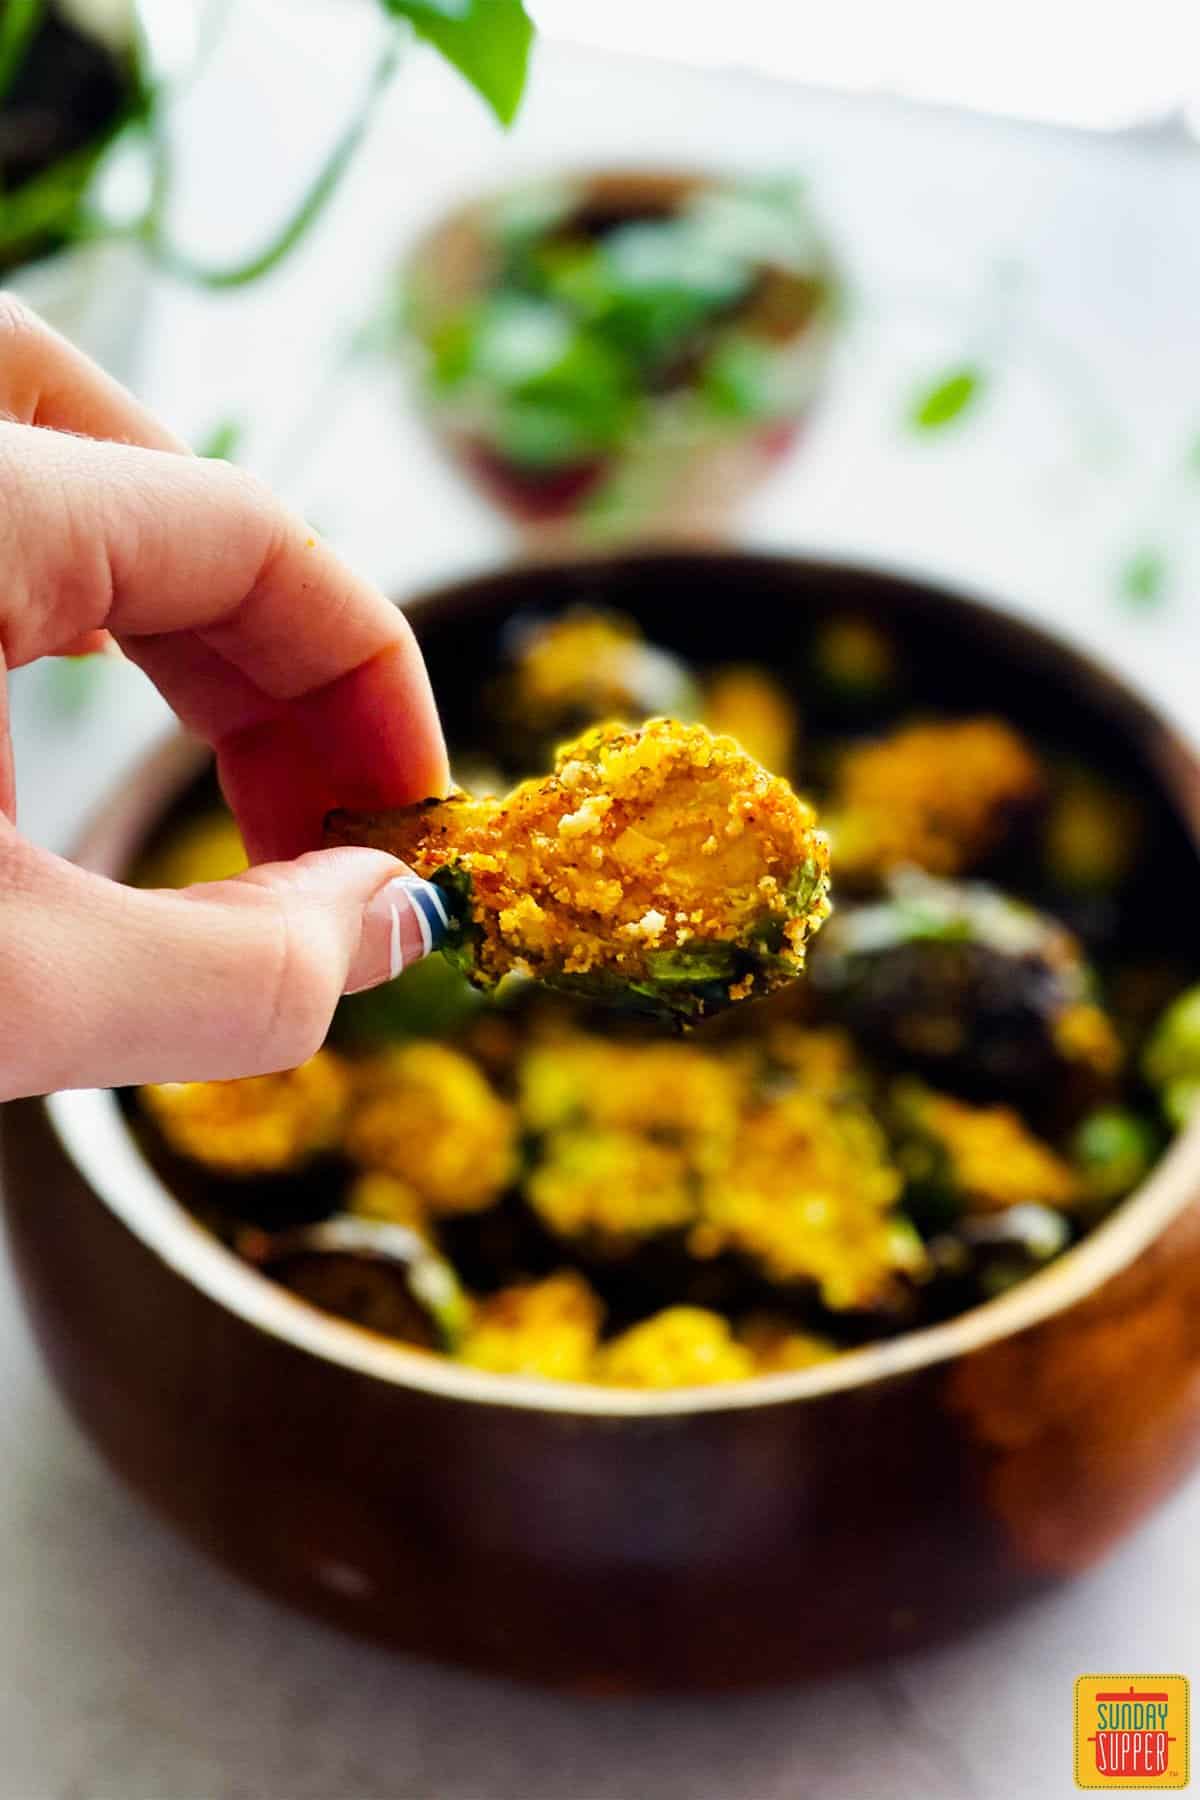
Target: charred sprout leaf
487 41
947 399
1143 577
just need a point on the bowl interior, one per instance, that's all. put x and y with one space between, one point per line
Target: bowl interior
961 655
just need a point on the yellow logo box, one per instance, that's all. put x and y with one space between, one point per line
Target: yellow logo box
1131 1731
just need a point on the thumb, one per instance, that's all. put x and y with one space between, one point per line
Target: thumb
103 985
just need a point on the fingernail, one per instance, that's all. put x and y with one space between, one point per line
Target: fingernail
402 923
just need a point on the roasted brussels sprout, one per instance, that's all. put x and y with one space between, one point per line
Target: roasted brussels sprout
745 703
941 796
380 1276
1171 1060
1092 833
577 669
960 1159
425 1114
810 1197
777 1346
658 867
262 1125
547 1328
987 996
683 1346
1112 1149
853 662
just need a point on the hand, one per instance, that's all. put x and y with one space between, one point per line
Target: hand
305 680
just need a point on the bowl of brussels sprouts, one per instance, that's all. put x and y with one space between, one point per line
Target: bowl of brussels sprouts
523 1328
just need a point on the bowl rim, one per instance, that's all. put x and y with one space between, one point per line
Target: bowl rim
95 1137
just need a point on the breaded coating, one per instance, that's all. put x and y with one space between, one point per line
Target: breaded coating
661 864
777 1346
683 1346
614 1187
209 848
389 1201
262 1125
627 1130
583 666
673 1091
546 1328
746 704
811 1195
824 1058
939 795
425 1114
986 1157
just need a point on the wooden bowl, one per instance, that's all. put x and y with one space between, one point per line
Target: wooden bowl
675 480
769 1530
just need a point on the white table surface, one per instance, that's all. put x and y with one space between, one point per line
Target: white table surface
130 1669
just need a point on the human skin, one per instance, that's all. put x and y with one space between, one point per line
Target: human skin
305 680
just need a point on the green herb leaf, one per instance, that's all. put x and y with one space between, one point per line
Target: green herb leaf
947 399
223 440
19 19
1143 577
487 41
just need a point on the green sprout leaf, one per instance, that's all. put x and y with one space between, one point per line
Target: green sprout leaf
1143 577
947 399
487 41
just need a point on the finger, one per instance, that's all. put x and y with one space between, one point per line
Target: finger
263 641
106 985
44 380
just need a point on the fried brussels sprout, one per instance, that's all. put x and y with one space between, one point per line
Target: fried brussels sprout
975 989
941 796
626 1130
1092 833
683 1346
853 662
387 1200
777 1347
961 1159
209 848
810 1195
579 668
658 867
1112 1149
380 1276
547 1328
262 1125
1000 1249
1171 1059
746 704
426 1115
